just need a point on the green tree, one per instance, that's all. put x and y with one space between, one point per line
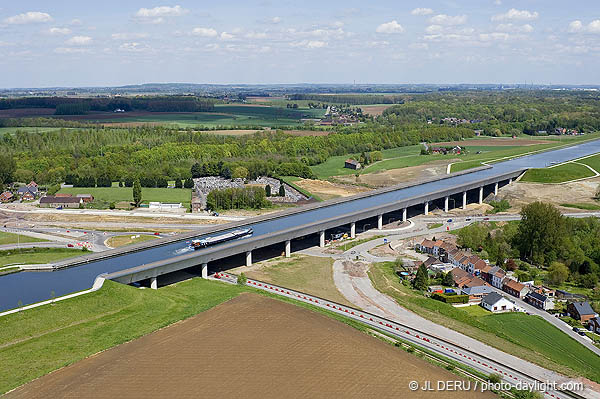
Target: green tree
241 280
7 168
137 192
557 273
540 233
268 190
472 236
189 183
239 173
281 190
178 183
448 280
421 280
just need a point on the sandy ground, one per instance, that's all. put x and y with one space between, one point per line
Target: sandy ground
391 177
327 190
374 110
500 141
249 347
520 194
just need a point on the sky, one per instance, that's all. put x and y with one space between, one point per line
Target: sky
108 43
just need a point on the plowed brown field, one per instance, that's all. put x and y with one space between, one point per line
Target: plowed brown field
249 347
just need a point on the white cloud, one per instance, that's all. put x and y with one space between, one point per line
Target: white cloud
494 36
79 41
256 35
76 22
433 29
28 18
226 36
310 44
419 46
578 26
448 20
128 36
516 15
162 11
59 31
275 20
133 47
204 32
422 11
70 50
390 27
515 28
498 2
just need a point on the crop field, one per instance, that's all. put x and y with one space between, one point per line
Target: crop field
119 194
528 337
223 115
265 347
558 174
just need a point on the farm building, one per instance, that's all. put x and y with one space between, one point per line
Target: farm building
51 201
352 164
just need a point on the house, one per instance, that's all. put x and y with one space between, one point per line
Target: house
581 311
477 292
7 196
51 201
86 197
32 184
514 288
426 246
538 300
495 276
462 279
497 303
28 196
594 325
63 195
352 164
26 189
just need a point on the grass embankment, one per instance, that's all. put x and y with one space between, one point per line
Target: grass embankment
121 241
309 274
434 225
40 340
32 256
528 337
584 206
593 162
559 174
125 194
11 238
291 181
346 245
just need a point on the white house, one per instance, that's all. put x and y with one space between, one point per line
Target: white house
497 303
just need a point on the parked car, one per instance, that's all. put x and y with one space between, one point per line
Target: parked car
576 329
582 333
468 219
70 245
486 218
449 220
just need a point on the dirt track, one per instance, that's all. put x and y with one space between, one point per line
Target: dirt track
249 347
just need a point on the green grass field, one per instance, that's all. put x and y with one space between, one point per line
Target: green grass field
558 174
118 194
593 162
11 130
528 337
227 115
32 256
584 206
11 238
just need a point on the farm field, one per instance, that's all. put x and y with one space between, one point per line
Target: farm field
512 333
11 238
223 115
374 110
119 194
32 256
280 351
558 174
308 274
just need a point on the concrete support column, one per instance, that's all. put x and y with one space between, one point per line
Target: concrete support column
288 248
205 270
480 195
379 222
446 203
404 214
495 188
464 206
322 239
510 181
353 230
154 283
248 258
426 208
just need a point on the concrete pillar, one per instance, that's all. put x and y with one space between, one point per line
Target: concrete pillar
205 270
248 258
353 230
510 181
379 222
480 195
288 248
495 188
322 239
464 206
404 214
446 203
154 283
426 208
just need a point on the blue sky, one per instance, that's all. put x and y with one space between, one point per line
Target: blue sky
85 43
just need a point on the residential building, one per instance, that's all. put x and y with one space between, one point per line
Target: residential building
7 196
51 201
352 164
32 184
497 303
581 311
538 300
477 292
426 247
86 197
27 196
495 276
514 288
26 189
